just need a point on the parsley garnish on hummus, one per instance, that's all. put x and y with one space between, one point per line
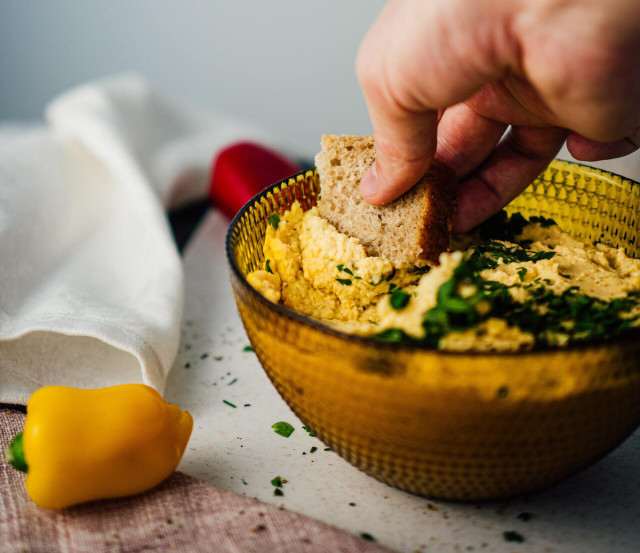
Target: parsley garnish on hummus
274 220
399 299
512 284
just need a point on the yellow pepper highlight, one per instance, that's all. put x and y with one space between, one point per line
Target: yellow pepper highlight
82 445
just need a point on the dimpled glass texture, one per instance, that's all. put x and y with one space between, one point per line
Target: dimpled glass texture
456 426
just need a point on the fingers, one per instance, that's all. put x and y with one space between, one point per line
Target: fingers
586 149
420 57
465 139
405 145
516 162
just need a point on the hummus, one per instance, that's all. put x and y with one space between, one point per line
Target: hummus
515 284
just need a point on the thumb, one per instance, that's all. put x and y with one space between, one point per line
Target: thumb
405 145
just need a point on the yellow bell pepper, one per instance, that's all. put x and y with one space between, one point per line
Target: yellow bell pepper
80 445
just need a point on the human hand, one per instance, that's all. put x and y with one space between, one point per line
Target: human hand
447 77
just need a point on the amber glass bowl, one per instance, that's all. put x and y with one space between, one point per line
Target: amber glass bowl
457 426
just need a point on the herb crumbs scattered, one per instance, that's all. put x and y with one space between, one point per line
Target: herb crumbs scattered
274 220
399 299
267 266
345 281
247 405
392 287
313 449
522 272
233 382
278 481
229 403
204 356
247 348
512 536
306 429
278 492
327 449
218 357
283 428
244 481
366 536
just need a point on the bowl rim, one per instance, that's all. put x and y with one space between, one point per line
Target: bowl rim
630 335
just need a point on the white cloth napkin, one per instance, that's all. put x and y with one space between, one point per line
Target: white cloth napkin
91 284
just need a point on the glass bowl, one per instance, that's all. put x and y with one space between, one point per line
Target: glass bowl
460 426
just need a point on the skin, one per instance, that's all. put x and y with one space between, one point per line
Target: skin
494 89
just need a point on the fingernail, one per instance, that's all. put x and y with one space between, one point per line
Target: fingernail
369 182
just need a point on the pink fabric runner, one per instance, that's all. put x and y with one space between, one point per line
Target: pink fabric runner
182 514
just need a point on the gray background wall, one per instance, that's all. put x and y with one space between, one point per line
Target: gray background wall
287 65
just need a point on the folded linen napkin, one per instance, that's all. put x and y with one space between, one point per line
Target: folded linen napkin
91 287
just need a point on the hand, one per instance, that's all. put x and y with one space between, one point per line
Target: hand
447 77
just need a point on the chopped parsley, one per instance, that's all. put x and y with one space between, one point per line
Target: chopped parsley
486 256
229 403
274 220
306 429
544 221
366 536
522 272
283 428
399 299
393 335
512 536
344 269
502 227
345 281
571 315
277 483
247 348
232 382
267 266
313 449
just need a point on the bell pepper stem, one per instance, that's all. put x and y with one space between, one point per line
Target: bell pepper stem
15 454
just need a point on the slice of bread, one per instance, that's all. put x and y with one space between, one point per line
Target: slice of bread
410 231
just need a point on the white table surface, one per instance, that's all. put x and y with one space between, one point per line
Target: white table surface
597 511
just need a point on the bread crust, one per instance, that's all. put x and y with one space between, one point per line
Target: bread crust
440 208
